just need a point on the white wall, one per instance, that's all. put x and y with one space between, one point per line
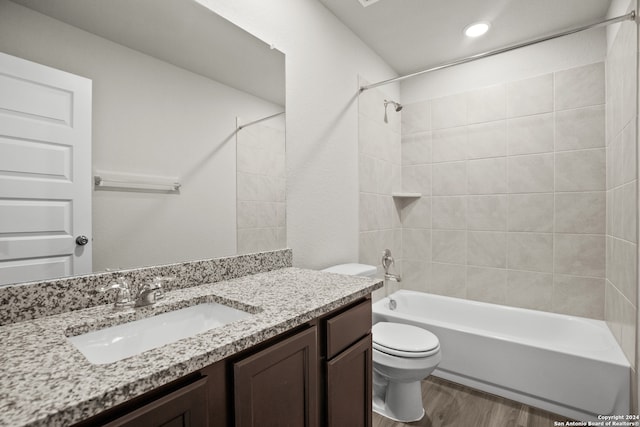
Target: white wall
323 60
566 52
152 118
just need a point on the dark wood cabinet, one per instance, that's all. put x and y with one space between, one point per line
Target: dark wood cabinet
347 361
277 387
349 382
318 374
185 407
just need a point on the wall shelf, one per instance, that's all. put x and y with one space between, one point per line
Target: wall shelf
401 195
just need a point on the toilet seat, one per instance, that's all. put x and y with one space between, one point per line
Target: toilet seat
398 339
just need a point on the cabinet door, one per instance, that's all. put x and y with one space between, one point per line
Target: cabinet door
349 382
186 407
277 387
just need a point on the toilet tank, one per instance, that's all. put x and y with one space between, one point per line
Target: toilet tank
354 269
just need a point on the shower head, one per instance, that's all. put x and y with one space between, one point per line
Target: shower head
396 105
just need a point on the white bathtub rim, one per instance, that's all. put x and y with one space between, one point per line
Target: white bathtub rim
612 354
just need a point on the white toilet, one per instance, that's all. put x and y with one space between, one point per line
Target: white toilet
403 355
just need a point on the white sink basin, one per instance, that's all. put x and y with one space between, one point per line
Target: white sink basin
128 339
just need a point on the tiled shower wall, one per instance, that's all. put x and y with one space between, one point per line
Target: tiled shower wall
514 202
261 200
621 290
379 176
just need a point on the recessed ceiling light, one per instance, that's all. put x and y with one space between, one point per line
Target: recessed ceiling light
476 29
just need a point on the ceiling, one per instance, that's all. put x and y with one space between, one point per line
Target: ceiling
183 33
412 35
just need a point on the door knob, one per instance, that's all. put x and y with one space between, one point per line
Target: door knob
82 240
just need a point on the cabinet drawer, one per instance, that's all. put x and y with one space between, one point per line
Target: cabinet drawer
348 327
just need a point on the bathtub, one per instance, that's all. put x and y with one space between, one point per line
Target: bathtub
571 366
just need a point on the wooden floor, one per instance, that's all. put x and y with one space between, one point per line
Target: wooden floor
450 404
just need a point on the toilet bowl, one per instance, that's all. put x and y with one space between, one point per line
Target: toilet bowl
403 355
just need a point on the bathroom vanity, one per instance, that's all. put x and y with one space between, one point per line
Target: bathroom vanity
316 374
303 357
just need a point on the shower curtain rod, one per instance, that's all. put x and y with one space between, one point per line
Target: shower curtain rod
261 120
628 17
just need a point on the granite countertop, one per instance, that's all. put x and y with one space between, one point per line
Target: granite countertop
44 380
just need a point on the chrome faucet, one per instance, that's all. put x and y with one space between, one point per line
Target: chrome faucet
123 293
147 294
387 262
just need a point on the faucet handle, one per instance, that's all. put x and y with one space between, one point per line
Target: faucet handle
387 260
156 285
123 292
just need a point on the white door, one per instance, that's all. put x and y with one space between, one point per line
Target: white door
45 172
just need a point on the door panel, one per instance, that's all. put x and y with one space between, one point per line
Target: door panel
349 386
45 171
277 387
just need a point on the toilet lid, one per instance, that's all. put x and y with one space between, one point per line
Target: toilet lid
403 340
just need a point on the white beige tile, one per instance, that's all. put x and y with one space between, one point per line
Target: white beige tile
369 248
449 144
628 167
531 173
530 96
448 279
367 212
449 111
487 140
417 178
530 212
628 333
415 275
488 213
530 251
613 310
449 246
581 170
416 244
449 179
528 289
384 175
246 214
579 254
614 161
449 212
371 136
530 134
578 296
487 284
416 213
580 128
416 117
368 178
487 176
580 87
257 239
622 269
486 104
580 212
487 249
416 149
627 197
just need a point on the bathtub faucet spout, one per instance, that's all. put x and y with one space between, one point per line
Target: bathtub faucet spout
393 277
